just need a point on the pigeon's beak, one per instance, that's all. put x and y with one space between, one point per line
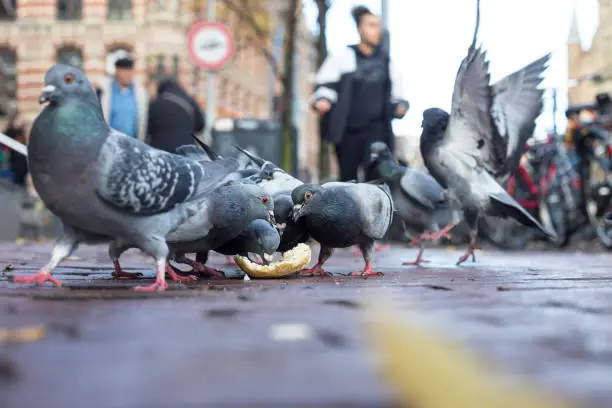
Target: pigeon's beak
297 212
373 157
47 94
271 218
267 258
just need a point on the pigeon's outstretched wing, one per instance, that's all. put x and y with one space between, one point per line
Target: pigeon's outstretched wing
490 124
471 135
422 188
517 102
145 181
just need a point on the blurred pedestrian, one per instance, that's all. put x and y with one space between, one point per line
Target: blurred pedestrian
124 102
173 117
357 93
18 163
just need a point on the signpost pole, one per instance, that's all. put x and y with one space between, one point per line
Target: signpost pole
211 86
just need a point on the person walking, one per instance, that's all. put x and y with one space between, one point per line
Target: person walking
358 94
173 117
18 163
125 103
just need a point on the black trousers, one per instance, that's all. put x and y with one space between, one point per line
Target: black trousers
353 150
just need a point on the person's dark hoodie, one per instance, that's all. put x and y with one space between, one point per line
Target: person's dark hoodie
173 117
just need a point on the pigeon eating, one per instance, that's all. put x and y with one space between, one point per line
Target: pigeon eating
219 219
340 215
104 185
419 200
480 142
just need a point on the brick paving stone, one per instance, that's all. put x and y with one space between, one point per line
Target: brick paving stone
542 315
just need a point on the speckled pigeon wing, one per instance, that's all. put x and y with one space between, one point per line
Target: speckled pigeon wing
144 181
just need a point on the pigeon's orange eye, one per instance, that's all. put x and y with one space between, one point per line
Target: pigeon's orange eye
308 195
264 200
69 78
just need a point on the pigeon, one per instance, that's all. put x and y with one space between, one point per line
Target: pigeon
280 185
274 179
340 215
260 238
219 218
419 200
475 147
106 186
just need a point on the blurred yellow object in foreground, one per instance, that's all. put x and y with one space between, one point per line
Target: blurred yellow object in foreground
430 373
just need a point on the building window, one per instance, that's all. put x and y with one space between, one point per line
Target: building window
8 81
70 55
119 9
8 10
69 9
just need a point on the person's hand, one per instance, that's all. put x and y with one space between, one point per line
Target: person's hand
322 106
400 110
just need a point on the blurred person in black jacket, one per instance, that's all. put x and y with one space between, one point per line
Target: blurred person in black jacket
16 129
358 92
173 117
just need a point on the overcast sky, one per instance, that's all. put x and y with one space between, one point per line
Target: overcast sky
429 38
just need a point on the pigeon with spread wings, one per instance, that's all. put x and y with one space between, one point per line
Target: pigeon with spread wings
478 144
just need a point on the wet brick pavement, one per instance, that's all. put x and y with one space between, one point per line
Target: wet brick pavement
543 315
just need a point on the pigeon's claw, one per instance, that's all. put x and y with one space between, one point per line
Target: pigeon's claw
316 270
160 281
464 257
201 269
367 271
229 261
119 273
179 278
39 278
418 261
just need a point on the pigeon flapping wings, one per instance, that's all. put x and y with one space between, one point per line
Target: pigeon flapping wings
146 181
489 125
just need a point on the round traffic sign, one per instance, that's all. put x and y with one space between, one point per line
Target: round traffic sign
211 45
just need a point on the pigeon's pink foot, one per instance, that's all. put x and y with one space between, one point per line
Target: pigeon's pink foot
160 281
158 286
229 261
316 270
179 278
39 278
118 272
417 261
201 269
417 240
467 254
380 248
443 233
367 271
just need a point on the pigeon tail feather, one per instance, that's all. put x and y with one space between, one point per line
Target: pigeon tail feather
506 206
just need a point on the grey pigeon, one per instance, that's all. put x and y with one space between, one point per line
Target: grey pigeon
420 202
279 184
481 141
104 185
274 179
218 219
260 238
339 215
